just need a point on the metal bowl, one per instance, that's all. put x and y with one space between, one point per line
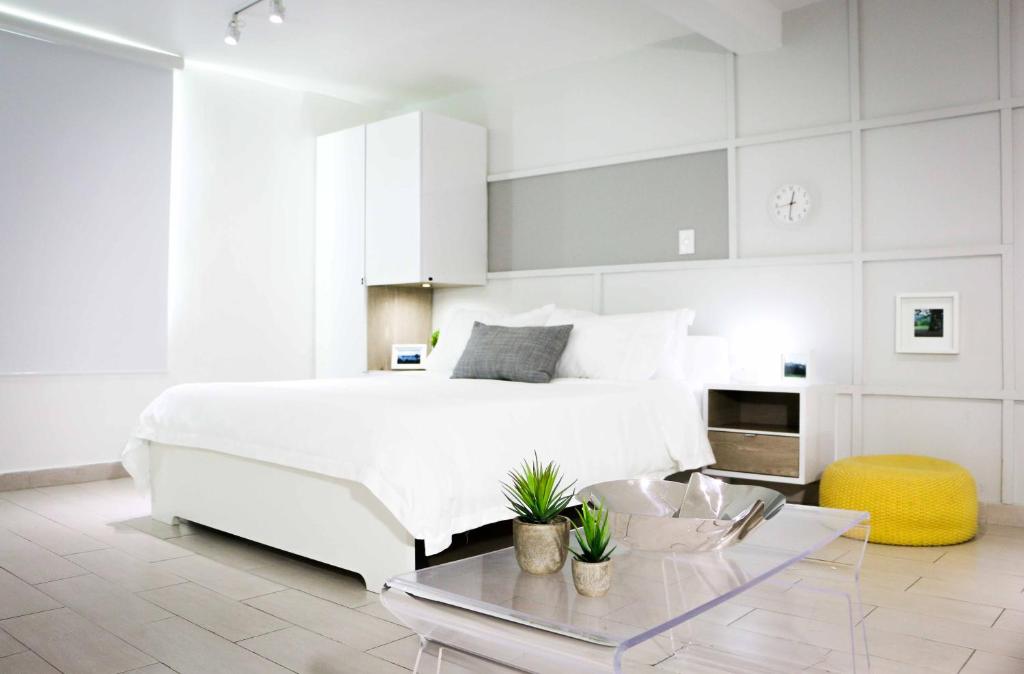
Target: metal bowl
702 515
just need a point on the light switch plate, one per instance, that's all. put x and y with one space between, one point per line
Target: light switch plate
686 242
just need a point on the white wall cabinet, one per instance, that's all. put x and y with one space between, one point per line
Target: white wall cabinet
401 201
340 291
426 201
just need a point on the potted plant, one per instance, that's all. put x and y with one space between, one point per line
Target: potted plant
540 533
592 565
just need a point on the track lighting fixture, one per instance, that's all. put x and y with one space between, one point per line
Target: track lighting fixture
234 32
276 11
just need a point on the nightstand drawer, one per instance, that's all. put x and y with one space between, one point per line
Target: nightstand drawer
756 453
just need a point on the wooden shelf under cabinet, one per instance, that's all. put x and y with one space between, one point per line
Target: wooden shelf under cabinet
761 432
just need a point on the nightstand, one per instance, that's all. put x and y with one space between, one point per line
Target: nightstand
764 433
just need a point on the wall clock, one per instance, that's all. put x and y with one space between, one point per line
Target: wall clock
791 204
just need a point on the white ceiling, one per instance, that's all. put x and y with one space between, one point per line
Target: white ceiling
382 51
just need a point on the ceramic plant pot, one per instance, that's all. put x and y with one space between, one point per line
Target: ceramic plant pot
541 548
592 579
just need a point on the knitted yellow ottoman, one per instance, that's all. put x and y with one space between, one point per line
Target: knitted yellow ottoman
913 500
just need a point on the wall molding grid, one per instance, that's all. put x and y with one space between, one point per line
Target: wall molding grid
1010 395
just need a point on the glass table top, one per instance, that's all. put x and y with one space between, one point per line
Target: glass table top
651 591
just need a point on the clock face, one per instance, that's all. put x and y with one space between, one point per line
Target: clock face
791 204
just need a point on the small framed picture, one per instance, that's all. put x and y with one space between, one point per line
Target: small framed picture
408 356
928 323
794 365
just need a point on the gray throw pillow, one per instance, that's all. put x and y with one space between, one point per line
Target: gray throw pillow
527 354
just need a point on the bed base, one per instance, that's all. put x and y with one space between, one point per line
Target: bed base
337 522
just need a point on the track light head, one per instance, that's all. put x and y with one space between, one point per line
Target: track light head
234 32
276 11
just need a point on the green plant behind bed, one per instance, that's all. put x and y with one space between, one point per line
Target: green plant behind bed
536 494
433 338
593 535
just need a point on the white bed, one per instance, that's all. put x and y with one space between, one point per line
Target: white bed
351 472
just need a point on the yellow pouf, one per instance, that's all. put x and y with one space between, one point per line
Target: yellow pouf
913 500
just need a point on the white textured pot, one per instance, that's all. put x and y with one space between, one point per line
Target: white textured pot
592 579
541 548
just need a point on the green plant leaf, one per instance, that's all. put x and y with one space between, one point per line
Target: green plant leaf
593 534
535 492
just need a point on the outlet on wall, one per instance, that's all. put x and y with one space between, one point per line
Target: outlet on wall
686 242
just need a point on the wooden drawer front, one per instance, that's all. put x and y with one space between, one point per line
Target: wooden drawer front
754 453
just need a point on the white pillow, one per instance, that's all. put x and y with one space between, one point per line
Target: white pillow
455 334
563 316
625 346
673 365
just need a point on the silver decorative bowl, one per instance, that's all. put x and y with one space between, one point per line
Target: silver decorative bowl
702 515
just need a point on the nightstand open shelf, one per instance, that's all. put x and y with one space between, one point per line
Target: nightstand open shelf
762 432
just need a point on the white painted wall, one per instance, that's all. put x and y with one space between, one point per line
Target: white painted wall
899 116
241 270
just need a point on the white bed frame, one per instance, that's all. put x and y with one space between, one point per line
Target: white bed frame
338 522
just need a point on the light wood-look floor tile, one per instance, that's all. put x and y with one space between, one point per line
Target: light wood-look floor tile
989 663
33 563
148 525
103 602
158 668
404 651
929 609
74 645
306 652
25 663
320 581
377 610
123 569
230 619
903 648
1011 620
46 533
229 550
989 639
976 592
189 649
19 598
328 619
9 645
220 578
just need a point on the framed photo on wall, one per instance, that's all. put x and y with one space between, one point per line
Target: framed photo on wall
928 323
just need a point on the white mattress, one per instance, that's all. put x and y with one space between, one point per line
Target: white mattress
433 450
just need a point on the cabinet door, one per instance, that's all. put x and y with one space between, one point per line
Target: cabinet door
340 291
393 201
453 199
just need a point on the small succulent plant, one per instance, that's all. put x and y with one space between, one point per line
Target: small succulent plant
593 534
535 492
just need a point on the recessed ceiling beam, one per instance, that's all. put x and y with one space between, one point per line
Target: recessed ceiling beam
741 26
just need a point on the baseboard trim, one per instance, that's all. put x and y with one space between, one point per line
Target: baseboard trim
1002 514
51 477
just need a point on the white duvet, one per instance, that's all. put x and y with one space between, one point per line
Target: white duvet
433 450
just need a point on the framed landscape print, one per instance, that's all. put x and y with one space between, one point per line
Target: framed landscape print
928 323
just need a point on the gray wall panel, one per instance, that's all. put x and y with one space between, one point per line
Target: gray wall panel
617 214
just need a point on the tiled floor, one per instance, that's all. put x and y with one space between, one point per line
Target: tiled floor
88 583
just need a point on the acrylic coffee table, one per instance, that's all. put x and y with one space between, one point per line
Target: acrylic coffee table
484 614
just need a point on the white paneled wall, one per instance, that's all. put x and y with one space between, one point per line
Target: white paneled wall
932 184
822 165
804 85
965 431
927 54
902 118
